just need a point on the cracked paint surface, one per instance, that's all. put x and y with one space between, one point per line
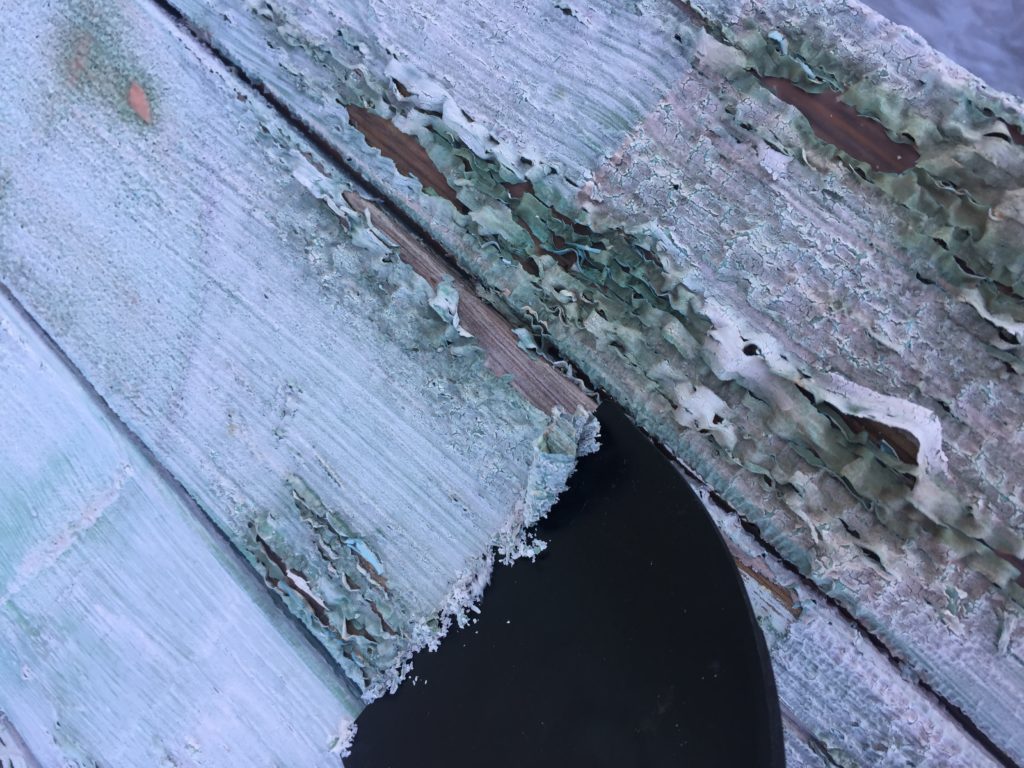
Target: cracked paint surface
552 220
831 346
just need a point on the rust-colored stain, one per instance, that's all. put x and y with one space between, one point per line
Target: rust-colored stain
77 63
783 595
404 151
903 443
139 102
842 126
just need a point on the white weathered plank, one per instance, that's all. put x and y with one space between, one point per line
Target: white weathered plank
130 633
719 223
200 265
14 753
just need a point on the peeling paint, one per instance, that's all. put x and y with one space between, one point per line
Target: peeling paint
831 346
332 580
265 340
628 285
840 125
120 606
967 169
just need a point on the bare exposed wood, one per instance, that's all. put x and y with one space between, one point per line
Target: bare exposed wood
839 124
199 263
409 157
544 386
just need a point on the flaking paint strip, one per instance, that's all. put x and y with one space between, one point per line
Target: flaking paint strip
331 578
966 178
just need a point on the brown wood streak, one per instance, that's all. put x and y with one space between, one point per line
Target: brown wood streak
541 384
748 565
409 157
781 593
535 379
842 126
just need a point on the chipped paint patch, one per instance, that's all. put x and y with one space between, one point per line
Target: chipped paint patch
139 102
607 224
118 601
298 359
839 124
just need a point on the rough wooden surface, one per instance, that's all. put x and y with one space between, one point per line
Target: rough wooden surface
830 344
542 384
986 36
832 347
13 751
843 701
130 633
324 405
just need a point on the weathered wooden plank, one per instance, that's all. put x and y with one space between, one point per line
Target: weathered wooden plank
321 402
833 348
843 702
538 381
130 633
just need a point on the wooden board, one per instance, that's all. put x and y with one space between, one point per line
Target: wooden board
844 703
982 37
832 346
323 404
130 632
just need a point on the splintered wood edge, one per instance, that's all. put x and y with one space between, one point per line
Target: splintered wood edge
532 376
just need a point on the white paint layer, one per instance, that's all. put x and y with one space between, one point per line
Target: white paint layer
130 634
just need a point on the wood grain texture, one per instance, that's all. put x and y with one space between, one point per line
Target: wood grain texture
322 403
832 348
537 380
843 701
984 37
131 633
837 123
14 753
